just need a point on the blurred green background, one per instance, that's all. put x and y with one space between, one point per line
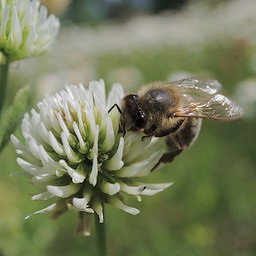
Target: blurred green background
211 208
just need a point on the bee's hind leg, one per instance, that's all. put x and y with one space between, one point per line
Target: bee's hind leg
167 157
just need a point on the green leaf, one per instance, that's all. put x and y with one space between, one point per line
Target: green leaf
12 116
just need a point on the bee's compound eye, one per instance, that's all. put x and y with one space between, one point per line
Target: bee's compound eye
140 122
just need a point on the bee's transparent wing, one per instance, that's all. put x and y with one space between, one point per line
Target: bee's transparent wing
199 85
218 107
198 98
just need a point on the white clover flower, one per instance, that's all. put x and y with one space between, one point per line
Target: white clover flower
25 29
74 153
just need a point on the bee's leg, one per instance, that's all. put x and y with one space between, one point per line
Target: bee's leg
146 136
167 157
175 147
180 140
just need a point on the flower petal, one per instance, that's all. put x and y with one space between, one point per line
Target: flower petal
120 205
109 140
131 190
80 205
63 191
94 152
152 189
57 209
72 156
15 37
78 175
82 146
109 188
98 208
116 163
43 196
56 145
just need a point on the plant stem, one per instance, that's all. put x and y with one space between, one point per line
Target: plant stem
4 68
101 237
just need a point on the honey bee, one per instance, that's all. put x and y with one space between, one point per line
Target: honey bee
175 110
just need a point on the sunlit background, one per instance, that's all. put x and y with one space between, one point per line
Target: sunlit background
211 208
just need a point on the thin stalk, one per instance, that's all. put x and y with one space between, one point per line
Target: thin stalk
4 70
100 237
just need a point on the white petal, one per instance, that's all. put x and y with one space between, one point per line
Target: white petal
15 36
81 204
26 126
152 189
25 19
43 178
120 205
135 170
81 125
132 190
48 117
75 209
140 169
64 127
135 149
63 191
46 160
94 173
82 145
109 140
16 142
115 95
110 188
43 196
28 46
57 147
78 175
30 168
98 91
42 15
43 132
70 153
51 208
116 163
4 20
97 207
91 124
33 147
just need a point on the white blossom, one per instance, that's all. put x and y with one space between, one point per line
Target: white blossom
25 29
73 152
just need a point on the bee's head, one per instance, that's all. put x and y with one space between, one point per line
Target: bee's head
132 117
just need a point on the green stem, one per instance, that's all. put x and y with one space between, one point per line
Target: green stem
4 68
101 237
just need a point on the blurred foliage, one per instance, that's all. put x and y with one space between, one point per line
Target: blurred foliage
211 208
97 11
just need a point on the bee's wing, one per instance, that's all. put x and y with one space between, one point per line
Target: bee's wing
198 98
218 107
199 85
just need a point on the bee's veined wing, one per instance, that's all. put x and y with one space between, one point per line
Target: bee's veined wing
198 98
217 107
199 85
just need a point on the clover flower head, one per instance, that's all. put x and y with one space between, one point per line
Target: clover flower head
25 29
73 151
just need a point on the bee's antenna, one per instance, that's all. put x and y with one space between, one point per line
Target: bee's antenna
122 124
115 106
